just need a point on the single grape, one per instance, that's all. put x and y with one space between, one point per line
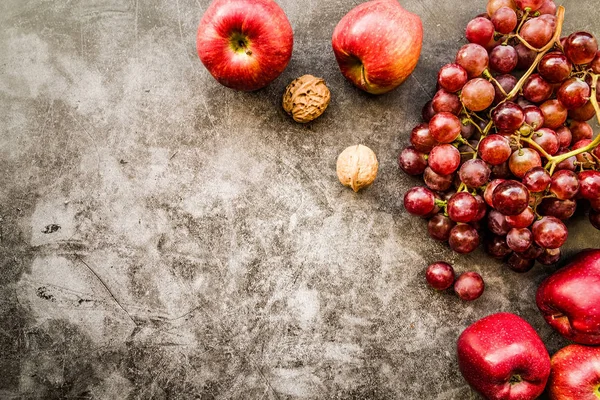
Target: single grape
573 93
522 220
536 89
549 257
428 112
452 77
561 209
555 67
495 149
519 240
444 101
533 117
421 138
412 161
504 20
581 48
463 239
547 139
523 160
519 264
437 182
550 233
507 82
497 247
508 117
462 207
595 219
444 127
549 7
533 5
480 31
580 131
494 5
469 286
538 31
565 137
440 275
589 184
565 184
444 159
510 198
503 59
439 227
497 224
477 94
473 58
501 171
555 114
489 190
537 180
526 56
584 113
474 173
419 201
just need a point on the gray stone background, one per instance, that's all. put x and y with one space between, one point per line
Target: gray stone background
164 237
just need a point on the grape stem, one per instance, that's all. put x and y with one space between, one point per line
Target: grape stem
532 143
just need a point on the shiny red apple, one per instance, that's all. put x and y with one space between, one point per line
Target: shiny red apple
575 374
569 299
502 357
377 45
244 44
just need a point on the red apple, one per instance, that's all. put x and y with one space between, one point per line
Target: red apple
502 357
244 44
377 45
569 299
575 374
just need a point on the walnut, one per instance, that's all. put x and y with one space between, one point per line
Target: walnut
357 167
306 98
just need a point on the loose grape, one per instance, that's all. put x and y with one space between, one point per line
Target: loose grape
440 275
469 286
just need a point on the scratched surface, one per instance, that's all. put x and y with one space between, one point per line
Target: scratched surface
163 237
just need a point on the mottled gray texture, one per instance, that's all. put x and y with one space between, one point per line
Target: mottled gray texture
164 237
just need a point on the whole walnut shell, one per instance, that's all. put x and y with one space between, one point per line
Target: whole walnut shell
306 98
357 167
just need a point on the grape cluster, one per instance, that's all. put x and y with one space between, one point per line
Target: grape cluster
506 155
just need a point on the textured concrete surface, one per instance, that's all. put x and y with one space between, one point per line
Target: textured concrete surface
163 237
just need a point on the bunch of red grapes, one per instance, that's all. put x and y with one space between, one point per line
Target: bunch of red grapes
506 151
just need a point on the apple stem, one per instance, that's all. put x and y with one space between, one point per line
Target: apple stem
515 379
